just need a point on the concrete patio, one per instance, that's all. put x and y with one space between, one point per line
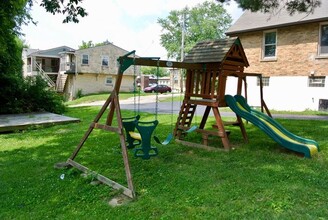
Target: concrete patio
13 122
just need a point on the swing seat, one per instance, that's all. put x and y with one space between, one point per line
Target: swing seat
166 141
129 127
145 129
135 135
191 129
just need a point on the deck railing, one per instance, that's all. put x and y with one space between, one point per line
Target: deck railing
45 76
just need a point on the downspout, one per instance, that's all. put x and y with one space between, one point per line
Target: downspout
75 74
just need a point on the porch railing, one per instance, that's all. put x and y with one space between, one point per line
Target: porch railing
45 76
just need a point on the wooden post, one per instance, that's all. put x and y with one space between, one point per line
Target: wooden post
221 130
113 103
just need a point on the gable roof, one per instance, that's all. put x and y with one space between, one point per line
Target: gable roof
213 51
102 45
53 52
254 21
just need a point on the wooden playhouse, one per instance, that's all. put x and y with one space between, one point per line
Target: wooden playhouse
207 86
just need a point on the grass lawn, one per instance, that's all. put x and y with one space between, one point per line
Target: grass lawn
176 98
104 96
258 180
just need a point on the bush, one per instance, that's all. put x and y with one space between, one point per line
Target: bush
28 95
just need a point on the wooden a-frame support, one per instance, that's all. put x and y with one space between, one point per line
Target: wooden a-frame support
114 107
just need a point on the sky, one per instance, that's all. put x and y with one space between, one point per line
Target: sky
129 24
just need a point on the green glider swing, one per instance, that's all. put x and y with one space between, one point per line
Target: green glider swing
141 140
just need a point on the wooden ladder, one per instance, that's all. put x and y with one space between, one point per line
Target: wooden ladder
185 117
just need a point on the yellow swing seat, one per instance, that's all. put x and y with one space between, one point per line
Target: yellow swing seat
135 135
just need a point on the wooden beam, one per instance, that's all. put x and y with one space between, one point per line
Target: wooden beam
102 178
148 61
107 128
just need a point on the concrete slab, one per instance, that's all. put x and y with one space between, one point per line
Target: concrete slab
12 122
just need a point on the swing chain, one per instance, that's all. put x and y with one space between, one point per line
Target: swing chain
157 99
134 87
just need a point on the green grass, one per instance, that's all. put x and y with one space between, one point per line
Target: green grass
102 97
169 98
258 180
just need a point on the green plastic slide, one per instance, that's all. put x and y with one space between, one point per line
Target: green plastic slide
271 127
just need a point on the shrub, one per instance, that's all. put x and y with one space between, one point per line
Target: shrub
28 95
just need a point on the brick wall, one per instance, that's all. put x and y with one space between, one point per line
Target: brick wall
297 49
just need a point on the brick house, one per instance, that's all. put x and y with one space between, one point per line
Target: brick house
292 54
90 70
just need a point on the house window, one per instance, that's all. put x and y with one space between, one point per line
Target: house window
85 59
109 81
316 81
265 81
269 44
104 60
323 46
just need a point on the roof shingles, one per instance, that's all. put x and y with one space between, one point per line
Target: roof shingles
254 21
210 51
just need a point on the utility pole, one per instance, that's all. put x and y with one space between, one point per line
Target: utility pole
182 47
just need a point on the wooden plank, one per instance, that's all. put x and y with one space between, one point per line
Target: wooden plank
123 146
205 102
233 68
203 96
198 79
205 116
213 83
235 63
220 126
102 178
107 128
192 83
188 83
208 83
164 63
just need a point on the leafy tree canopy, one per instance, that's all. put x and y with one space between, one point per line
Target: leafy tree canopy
147 70
89 44
292 6
208 20
69 8
18 94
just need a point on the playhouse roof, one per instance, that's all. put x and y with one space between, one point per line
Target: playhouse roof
213 51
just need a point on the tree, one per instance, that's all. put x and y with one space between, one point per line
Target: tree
292 6
208 20
17 94
146 70
70 8
89 44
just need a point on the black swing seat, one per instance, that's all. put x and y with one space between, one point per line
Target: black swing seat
132 138
145 129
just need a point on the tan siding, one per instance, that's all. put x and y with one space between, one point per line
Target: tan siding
95 54
95 83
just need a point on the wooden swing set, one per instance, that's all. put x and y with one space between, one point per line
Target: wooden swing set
207 67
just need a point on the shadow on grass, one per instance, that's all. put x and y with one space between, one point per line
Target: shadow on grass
254 181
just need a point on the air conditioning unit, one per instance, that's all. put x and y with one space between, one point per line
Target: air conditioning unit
323 104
